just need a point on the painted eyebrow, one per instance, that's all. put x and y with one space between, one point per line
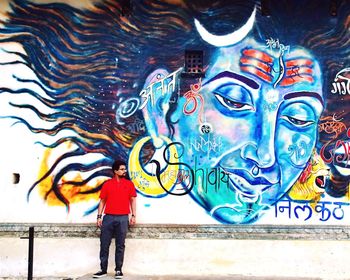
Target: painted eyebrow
304 93
227 74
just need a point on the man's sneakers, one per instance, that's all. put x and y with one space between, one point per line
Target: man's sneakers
100 274
119 275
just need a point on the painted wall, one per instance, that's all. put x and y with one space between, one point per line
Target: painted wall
261 137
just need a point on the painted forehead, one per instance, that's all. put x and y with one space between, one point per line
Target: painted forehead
276 65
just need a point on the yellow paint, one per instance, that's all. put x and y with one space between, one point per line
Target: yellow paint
69 191
308 190
148 183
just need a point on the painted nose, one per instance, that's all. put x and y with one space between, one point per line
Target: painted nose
261 149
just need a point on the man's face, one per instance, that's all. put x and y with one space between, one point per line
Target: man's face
121 172
262 107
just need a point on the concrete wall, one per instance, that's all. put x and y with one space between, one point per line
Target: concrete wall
312 252
76 257
259 136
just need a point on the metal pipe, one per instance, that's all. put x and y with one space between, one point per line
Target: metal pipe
30 253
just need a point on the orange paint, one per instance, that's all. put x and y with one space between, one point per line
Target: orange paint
70 192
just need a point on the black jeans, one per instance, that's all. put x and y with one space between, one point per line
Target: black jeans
113 226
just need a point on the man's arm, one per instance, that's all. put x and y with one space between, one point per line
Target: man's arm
101 207
133 210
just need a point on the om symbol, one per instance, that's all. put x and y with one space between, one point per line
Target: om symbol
205 128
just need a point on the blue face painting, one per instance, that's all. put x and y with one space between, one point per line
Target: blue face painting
261 108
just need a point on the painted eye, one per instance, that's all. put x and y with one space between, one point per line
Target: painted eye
297 122
231 104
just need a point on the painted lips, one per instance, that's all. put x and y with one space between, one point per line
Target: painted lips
246 184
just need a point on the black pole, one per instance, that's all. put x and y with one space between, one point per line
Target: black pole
30 253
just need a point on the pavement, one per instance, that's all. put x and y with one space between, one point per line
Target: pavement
176 277
192 277
110 276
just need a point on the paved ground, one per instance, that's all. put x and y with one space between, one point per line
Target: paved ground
110 276
188 277
175 277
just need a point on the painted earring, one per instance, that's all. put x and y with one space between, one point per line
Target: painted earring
145 181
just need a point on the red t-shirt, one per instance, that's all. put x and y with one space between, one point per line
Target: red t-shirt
117 195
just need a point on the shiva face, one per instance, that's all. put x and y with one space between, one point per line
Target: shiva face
262 107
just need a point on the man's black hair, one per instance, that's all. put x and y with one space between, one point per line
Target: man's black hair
116 165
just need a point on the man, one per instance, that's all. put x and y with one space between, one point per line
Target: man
117 198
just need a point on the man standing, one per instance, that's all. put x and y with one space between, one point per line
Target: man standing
117 198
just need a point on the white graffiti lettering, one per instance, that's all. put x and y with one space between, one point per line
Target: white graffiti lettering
275 44
207 146
341 84
165 85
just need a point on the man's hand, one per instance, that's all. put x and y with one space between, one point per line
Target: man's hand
132 220
99 222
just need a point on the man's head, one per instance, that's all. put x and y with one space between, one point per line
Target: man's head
119 168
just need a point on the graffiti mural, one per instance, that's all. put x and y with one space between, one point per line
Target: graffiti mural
259 132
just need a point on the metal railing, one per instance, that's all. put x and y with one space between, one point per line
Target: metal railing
30 252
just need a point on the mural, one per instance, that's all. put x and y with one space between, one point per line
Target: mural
255 131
